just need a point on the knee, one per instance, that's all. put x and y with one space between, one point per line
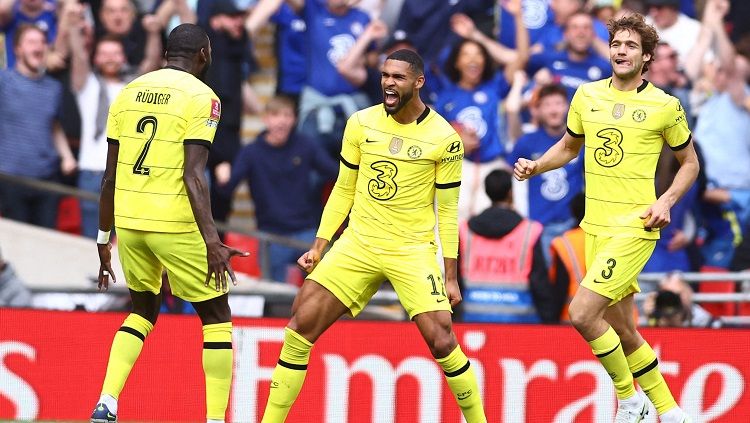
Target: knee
580 320
149 313
213 311
304 328
441 345
147 310
629 336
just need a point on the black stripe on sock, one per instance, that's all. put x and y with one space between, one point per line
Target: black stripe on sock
602 355
133 332
646 369
459 371
283 363
217 345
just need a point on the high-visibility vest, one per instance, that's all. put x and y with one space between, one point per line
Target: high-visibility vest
496 272
570 248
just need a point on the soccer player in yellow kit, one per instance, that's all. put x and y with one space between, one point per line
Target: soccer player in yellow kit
397 159
160 129
623 122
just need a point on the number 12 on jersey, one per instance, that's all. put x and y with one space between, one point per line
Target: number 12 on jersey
138 167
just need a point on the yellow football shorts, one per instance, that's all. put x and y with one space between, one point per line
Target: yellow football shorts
614 264
143 255
353 272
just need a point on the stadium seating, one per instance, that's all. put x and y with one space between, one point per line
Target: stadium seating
247 265
718 309
69 215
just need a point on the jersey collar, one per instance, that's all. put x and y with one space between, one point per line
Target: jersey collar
643 86
424 114
175 68
421 117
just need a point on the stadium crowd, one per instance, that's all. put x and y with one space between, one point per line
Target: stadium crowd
502 72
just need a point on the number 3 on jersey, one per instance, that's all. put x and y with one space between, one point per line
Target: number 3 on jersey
138 167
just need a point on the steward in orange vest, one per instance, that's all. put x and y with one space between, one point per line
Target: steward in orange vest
568 260
567 268
502 267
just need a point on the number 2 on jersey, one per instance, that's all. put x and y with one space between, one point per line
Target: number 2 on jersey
138 167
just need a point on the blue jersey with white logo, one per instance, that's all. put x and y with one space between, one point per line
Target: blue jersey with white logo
550 192
290 49
536 14
540 22
477 109
552 37
47 21
329 39
567 72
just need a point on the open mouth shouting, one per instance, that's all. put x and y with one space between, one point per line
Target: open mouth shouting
390 98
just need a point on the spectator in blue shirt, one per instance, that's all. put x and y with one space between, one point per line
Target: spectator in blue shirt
290 45
536 15
577 62
552 34
279 166
32 142
550 196
470 100
327 98
40 13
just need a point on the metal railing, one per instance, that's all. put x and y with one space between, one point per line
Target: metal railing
387 297
264 238
742 296
272 292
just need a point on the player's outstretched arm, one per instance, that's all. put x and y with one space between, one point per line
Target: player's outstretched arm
217 253
557 156
658 215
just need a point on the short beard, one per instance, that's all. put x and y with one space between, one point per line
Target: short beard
630 75
36 70
402 100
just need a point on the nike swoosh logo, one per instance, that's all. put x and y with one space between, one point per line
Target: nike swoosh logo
596 281
440 301
594 110
369 140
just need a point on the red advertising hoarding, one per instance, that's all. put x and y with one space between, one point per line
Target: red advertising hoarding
52 365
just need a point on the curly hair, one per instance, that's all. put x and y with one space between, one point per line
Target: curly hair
636 23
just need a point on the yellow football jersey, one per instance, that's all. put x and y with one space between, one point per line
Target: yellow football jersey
152 119
624 132
399 169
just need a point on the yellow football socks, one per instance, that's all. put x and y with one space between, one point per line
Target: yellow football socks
287 377
126 347
644 365
608 350
217 367
463 384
